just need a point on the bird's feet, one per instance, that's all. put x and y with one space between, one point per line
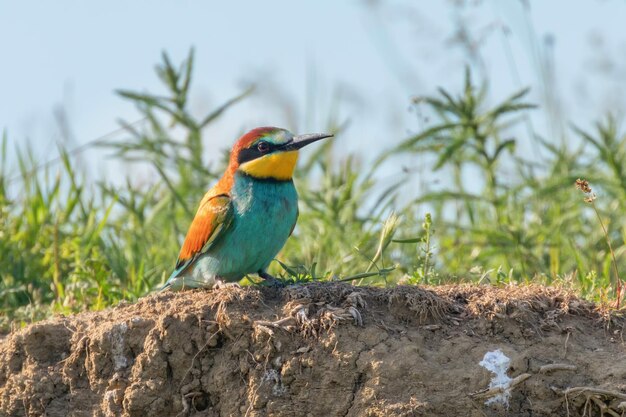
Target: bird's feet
270 280
219 284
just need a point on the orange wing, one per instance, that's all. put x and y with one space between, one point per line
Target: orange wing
213 216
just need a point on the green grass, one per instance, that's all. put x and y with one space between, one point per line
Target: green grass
69 245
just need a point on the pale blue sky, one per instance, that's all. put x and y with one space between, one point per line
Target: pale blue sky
378 53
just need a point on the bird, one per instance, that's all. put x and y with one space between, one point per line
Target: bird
244 220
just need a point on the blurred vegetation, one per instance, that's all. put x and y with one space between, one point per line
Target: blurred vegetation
70 245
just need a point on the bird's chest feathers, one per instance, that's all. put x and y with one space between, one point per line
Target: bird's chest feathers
264 204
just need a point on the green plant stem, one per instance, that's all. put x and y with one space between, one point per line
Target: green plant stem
618 282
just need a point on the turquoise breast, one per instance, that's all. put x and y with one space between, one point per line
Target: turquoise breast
265 213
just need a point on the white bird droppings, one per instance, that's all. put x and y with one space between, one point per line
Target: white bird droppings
498 363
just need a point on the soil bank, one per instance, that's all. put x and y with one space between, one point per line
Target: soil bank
323 349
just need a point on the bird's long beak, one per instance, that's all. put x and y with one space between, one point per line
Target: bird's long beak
301 141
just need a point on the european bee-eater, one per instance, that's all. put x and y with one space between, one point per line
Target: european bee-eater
246 218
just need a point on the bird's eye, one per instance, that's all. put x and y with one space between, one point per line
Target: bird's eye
263 147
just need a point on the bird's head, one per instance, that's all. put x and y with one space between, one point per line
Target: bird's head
270 152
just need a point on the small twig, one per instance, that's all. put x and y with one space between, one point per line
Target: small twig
186 403
592 390
493 391
603 407
545 369
279 324
287 324
566 340
589 392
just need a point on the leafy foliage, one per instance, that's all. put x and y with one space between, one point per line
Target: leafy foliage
70 245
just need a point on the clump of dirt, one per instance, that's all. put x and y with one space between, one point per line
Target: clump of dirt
323 350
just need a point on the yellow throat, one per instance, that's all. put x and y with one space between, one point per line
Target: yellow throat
278 166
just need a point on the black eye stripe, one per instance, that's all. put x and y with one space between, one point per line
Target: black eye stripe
253 152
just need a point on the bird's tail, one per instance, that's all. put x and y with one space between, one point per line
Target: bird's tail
178 282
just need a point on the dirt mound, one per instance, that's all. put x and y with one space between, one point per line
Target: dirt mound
323 350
